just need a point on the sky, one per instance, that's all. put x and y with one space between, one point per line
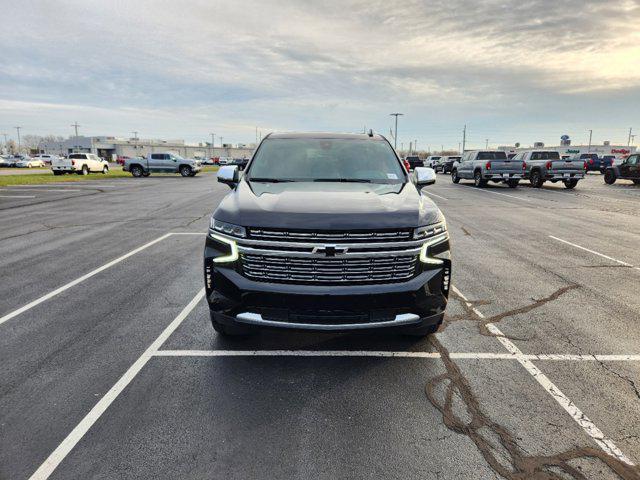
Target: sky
511 70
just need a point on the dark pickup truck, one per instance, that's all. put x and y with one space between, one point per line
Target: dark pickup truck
414 161
326 232
594 163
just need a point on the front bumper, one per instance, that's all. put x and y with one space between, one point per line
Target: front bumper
396 306
64 169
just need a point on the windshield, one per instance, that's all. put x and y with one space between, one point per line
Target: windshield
315 159
492 156
545 156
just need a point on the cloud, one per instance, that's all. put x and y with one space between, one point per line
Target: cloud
189 67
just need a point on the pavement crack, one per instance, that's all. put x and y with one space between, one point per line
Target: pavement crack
469 305
452 395
466 232
624 378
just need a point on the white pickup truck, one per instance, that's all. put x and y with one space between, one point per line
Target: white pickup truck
80 163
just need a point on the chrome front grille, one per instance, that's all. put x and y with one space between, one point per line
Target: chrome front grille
328 270
330 236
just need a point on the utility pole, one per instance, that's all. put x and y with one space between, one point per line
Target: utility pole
459 146
464 138
75 125
395 137
18 130
5 142
590 134
213 143
633 139
629 140
441 148
486 145
415 145
135 135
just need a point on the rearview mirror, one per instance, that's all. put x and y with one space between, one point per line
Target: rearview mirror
424 176
229 175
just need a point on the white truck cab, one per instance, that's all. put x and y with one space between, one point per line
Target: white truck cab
80 163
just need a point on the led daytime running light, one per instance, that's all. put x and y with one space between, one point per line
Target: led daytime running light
233 256
424 258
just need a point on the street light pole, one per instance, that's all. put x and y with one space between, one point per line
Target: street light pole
213 143
18 130
629 140
486 145
395 136
590 135
75 125
464 138
5 142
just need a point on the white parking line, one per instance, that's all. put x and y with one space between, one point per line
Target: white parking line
431 194
67 286
594 252
21 189
52 462
503 194
395 354
571 408
17 196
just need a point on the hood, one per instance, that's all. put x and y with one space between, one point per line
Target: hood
327 206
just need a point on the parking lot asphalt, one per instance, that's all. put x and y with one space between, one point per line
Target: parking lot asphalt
110 367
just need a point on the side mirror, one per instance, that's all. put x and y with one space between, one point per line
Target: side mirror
229 175
424 176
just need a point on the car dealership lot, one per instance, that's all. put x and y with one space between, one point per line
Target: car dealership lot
120 374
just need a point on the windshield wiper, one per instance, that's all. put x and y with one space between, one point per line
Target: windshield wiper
345 180
270 180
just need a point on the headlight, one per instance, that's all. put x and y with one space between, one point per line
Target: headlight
432 234
227 228
429 230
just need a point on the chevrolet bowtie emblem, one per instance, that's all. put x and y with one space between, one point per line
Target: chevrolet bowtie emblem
330 250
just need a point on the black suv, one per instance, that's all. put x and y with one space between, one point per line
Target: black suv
326 232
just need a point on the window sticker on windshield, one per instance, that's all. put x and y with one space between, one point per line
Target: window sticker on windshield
392 176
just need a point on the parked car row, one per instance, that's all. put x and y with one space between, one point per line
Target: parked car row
22 161
536 166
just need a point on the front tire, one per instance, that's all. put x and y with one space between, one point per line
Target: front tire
478 181
636 181
454 176
137 171
105 170
185 171
84 171
609 177
570 184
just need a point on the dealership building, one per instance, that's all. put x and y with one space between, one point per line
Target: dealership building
113 147
565 148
